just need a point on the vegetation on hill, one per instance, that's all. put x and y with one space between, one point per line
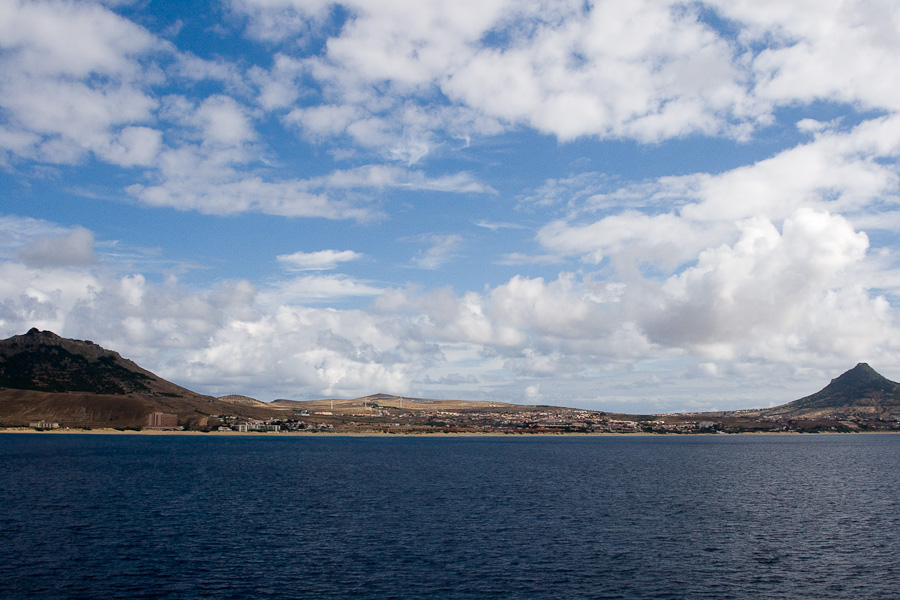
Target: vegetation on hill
55 369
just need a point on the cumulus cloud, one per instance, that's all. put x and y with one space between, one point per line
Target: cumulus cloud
763 285
570 72
668 222
275 20
302 349
403 77
657 238
818 56
222 121
79 82
133 146
533 394
788 259
71 77
795 291
224 338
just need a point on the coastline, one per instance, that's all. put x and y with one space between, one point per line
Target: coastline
429 434
278 434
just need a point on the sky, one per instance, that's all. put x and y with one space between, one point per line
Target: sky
643 206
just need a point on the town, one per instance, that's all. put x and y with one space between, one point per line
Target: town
518 420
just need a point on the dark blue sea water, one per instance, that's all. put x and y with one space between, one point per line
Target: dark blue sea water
112 516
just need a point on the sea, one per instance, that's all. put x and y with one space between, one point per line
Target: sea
273 516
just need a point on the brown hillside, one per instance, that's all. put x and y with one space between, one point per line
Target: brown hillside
860 392
80 384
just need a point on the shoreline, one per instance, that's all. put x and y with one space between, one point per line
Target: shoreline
273 434
270 434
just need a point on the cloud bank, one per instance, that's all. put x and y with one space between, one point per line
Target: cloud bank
645 204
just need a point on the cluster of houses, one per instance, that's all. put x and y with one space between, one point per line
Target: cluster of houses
550 420
538 420
242 425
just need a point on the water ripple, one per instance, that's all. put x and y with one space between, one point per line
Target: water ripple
374 518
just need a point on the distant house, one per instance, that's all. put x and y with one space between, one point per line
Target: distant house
262 426
44 424
160 420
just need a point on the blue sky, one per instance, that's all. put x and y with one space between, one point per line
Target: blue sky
645 206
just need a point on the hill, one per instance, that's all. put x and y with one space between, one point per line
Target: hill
45 362
860 392
80 384
242 400
390 401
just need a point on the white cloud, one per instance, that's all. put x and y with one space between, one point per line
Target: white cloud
442 250
133 146
316 288
495 226
302 351
381 176
280 87
668 222
273 20
518 258
566 71
762 266
579 319
78 80
77 40
317 261
70 76
223 121
832 50
767 284
248 194
403 76
16 232
41 297
212 181
453 379
598 74
795 293
665 238
74 249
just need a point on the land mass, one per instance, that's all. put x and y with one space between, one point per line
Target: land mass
49 382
